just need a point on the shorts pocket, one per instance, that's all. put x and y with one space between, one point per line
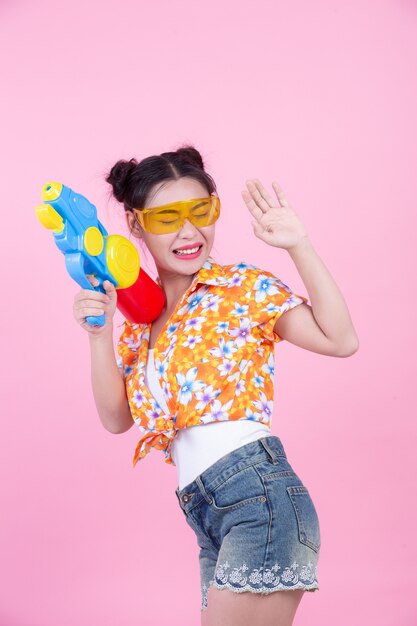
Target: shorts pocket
307 518
231 507
239 490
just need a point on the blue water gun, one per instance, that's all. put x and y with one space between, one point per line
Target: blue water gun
90 250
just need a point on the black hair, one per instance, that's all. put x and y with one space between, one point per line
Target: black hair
132 181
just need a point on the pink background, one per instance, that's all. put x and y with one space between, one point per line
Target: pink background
319 95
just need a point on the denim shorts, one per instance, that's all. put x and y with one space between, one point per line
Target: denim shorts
255 522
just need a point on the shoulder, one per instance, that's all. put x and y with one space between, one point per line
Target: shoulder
251 277
246 270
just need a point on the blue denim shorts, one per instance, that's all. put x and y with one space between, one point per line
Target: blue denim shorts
255 522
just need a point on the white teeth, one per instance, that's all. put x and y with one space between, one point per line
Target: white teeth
190 251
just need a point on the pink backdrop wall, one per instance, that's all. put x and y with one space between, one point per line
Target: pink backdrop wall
319 95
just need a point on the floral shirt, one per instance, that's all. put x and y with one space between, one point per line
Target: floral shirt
214 357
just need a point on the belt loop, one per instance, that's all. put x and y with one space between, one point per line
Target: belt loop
203 491
271 453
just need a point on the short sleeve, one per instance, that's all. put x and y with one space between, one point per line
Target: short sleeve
271 298
127 348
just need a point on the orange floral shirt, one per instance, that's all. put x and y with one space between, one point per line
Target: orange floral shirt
214 357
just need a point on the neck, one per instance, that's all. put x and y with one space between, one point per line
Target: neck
174 286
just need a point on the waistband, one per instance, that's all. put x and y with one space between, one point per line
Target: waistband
249 454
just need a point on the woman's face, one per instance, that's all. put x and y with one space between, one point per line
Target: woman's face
162 246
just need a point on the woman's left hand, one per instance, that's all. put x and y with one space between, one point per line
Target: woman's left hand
276 222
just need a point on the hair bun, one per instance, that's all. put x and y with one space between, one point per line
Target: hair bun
192 155
118 177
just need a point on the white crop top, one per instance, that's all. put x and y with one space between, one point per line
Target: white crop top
195 448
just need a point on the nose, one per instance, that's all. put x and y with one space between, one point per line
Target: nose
187 227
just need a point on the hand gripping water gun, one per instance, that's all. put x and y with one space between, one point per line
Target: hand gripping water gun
89 249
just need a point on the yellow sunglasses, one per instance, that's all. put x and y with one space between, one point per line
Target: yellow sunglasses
168 218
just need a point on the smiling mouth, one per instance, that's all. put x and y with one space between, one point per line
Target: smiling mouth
190 251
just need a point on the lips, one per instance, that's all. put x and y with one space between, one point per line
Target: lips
189 247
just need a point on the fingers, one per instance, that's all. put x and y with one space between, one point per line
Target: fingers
107 284
264 193
90 306
252 206
280 194
90 311
109 287
93 280
91 302
92 297
260 195
81 312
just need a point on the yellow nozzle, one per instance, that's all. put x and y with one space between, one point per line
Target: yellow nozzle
51 191
49 218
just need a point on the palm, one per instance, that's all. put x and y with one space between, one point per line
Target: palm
276 222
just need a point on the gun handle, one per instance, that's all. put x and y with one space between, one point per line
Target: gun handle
96 320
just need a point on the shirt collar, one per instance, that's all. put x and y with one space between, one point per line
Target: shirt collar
210 273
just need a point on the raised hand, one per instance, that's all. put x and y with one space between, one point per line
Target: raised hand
276 222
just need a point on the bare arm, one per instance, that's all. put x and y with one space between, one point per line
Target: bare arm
108 385
326 326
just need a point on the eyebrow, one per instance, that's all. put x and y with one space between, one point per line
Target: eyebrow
173 210
200 204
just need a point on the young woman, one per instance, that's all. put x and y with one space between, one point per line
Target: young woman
198 381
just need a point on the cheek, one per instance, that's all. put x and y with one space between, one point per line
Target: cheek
158 244
208 232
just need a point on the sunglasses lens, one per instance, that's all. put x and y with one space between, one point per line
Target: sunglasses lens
164 221
207 214
203 214
169 220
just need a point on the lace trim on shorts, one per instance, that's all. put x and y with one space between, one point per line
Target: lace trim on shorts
263 581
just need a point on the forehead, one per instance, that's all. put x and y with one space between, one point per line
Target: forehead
174 190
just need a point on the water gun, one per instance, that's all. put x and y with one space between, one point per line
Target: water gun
89 249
